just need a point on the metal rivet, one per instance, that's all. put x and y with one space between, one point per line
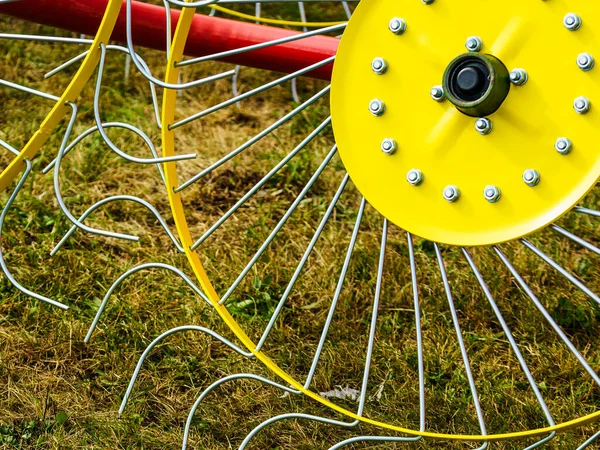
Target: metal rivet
379 66
582 105
585 61
389 146
451 193
563 145
415 177
492 193
483 126
531 177
438 94
397 26
474 44
519 77
377 107
572 22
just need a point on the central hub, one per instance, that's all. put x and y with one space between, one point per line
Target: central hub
476 84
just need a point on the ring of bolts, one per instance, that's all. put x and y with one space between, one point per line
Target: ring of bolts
484 126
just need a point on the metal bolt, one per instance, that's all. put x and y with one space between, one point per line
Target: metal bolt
474 44
519 77
563 146
531 177
377 107
492 194
572 22
389 146
428 2
438 94
397 26
582 105
451 193
585 61
379 66
483 126
415 177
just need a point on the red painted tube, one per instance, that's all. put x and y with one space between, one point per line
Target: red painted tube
207 35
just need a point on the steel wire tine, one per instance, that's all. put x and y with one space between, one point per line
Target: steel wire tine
127 274
255 139
9 147
419 332
262 45
561 270
168 23
115 198
547 315
279 225
589 442
12 280
302 262
515 349
146 74
121 49
58 194
250 93
262 182
31 91
213 386
337 293
302 12
346 9
166 334
461 343
40 38
105 137
577 239
278 1
185 4
123 125
587 211
234 81
356 439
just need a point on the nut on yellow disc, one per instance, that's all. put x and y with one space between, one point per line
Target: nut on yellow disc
465 170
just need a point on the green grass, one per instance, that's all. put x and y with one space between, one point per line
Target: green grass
56 392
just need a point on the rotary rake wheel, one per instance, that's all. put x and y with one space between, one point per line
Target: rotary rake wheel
427 224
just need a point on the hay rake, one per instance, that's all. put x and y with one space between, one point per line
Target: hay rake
471 149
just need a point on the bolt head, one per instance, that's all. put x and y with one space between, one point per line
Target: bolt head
483 126
474 44
379 66
389 146
585 61
377 107
438 94
563 145
572 22
428 2
492 193
519 77
451 193
397 26
531 177
415 177
582 105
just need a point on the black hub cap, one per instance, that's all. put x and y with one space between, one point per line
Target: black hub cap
477 84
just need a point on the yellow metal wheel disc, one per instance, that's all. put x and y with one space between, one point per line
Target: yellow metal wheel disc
442 143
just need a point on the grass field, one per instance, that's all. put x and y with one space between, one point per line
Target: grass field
57 392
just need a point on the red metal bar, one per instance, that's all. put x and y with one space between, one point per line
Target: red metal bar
208 35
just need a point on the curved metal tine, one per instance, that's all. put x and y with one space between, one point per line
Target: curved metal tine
262 182
302 262
121 49
12 280
419 332
255 139
461 343
356 439
123 125
547 315
337 293
514 347
127 274
279 225
302 12
277 1
561 270
31 91
146 73
346 9
577 239
105 137
213 386
589 212
589 442
234 86
40 38
58 193
115 198
9 147
167 334
250 93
